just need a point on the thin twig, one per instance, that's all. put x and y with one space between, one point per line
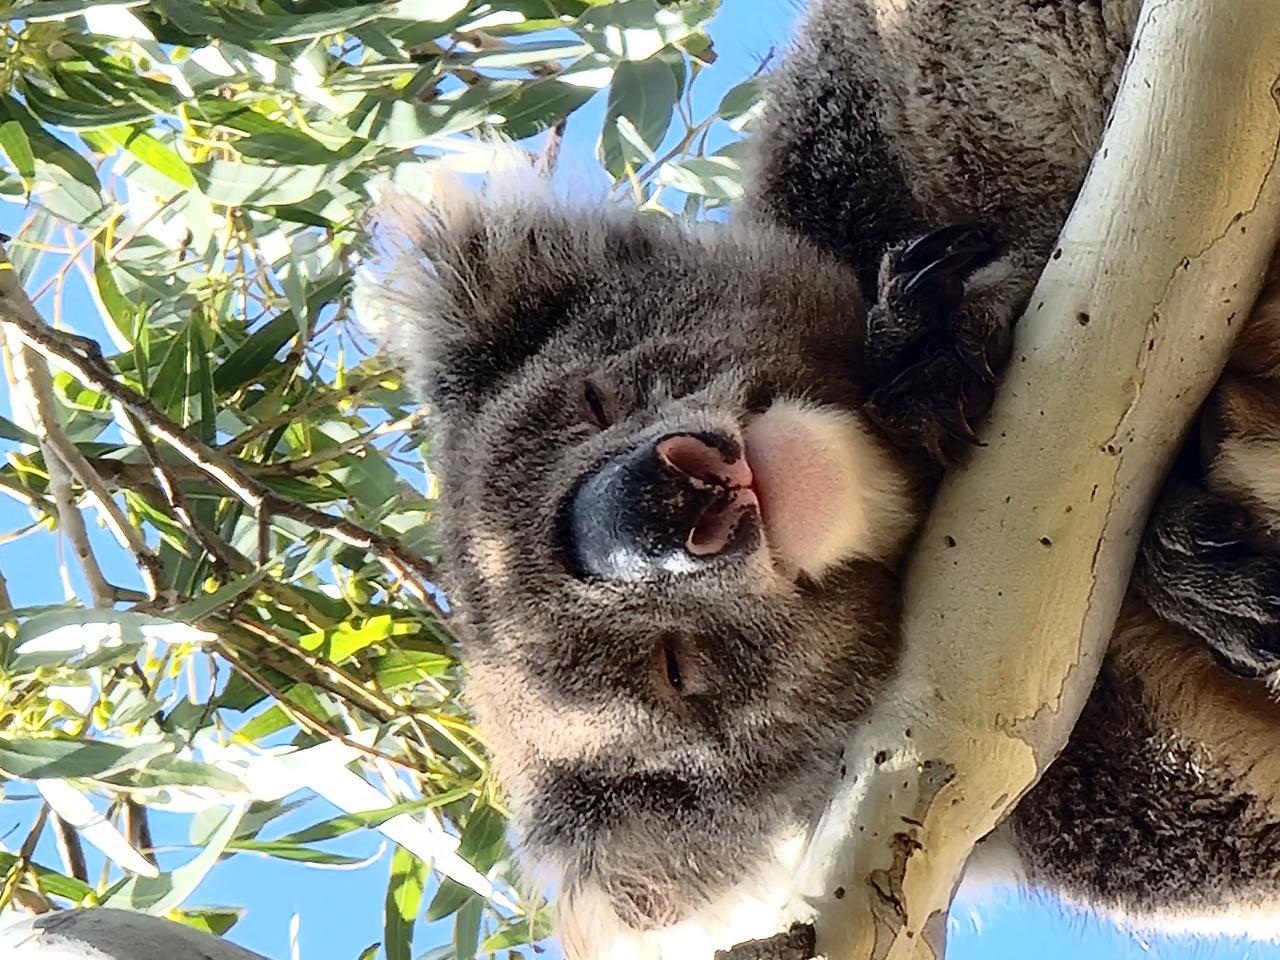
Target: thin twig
297 412
339 681
303 465
70 520
63 460
84 359
69 849
137 830
215 548
303 718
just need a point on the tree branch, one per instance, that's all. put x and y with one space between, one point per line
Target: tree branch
84 359
63 459
26 380
1015 583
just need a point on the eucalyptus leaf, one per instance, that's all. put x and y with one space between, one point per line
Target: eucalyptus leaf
404 898
643 94
31 758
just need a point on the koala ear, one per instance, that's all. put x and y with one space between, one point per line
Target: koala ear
465 284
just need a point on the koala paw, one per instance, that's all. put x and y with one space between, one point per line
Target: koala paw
1208 567
931 341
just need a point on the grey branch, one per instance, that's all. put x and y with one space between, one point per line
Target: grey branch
111 935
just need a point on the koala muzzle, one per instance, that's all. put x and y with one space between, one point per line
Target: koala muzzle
668 506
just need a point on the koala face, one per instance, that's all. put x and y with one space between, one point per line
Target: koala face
669 534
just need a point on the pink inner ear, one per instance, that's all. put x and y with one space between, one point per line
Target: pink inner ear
699 460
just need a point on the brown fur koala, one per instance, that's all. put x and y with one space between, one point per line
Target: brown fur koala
681 465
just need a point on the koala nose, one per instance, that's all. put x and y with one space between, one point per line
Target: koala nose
664 507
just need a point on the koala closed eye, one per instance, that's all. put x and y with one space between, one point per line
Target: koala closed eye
599 406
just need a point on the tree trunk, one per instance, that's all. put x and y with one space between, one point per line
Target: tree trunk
1014 587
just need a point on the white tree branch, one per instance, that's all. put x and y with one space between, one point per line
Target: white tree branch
1015 585
32 386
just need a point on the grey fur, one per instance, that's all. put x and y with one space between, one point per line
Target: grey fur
889 119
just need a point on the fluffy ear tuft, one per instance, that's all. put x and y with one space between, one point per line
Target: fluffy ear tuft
465 284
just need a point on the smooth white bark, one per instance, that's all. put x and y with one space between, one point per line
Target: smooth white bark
1014 588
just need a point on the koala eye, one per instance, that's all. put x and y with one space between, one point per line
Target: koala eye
672 657
597 405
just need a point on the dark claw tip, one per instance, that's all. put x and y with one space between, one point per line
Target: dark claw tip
978 362
922 251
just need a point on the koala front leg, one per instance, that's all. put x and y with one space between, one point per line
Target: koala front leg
1207 566
941 323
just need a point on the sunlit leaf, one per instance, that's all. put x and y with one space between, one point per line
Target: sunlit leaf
404 898
158 895
643 94
27 758
46 11
17 147
80 114
637 29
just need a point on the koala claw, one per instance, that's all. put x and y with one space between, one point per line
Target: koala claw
929 345
929 405
929 248
974 356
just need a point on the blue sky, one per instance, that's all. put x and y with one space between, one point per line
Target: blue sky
339 911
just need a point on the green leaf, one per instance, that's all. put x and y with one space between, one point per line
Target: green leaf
47 147
534 107
466 929
346 823
742 102
200 385
248 360
637 29
516 935
404 667
155 154
719 177
176 772
158 895
308 26
212 920
115 306
81 114
47 11
295 853
235 184
520 54
643 94
396 123
30 758
51 881
17 147
11 431
482 845
345 639
404 899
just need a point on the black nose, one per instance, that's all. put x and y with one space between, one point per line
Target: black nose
664 507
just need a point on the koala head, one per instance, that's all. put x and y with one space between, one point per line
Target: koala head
669 533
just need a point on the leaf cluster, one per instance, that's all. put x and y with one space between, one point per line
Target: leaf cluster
233 476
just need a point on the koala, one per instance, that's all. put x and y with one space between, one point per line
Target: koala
681 466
